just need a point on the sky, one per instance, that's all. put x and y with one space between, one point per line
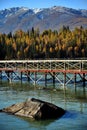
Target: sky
76 4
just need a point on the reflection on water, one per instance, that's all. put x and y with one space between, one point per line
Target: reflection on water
74 101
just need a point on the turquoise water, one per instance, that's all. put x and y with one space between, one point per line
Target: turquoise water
75 102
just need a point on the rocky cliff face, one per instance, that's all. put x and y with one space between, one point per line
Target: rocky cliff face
36 109
46 18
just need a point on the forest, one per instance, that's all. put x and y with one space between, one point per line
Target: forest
32 44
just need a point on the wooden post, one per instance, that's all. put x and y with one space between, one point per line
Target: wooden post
35 79
8 76
83 79
21 77
75 78
75 81
28 76
45 79
1 75
54 79
64 79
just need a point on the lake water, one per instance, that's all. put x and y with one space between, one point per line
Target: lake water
75 102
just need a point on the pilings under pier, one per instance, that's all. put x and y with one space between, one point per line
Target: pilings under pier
54 78
1 75
61 72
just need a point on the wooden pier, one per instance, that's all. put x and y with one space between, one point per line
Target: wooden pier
55 68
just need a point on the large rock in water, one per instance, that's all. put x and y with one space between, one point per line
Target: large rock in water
35 108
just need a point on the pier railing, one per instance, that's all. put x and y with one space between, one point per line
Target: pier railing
40 65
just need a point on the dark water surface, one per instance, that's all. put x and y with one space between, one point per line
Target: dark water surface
75 102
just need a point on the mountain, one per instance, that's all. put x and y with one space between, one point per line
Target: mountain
46 18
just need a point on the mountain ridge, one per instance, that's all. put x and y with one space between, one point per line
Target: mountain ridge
53 18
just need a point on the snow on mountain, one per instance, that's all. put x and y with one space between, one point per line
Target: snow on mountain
37 10
45 18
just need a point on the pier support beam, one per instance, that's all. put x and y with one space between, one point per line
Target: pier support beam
35 77
83 79
28 76
54 79
9 76
64 79
75 81
21 77
45 79
1 75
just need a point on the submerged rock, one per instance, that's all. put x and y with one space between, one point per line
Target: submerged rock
35 108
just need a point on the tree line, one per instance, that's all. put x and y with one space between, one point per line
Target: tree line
32 44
